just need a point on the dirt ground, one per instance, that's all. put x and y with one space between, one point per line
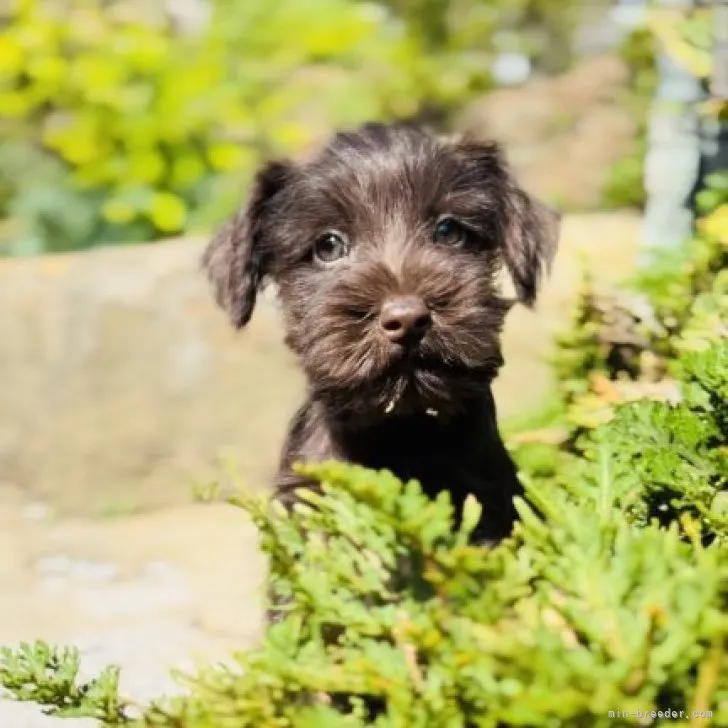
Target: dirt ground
180 584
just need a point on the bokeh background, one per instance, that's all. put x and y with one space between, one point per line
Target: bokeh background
129 121
129 129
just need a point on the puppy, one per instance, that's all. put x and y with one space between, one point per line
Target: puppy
386 249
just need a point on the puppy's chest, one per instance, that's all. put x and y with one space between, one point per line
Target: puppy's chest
440 458
461 456
435 464
469 459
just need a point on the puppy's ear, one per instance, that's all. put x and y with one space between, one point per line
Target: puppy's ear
529 229
531 236
237 257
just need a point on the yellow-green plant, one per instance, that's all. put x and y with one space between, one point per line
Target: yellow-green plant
607 607
687 35
116 127
143 121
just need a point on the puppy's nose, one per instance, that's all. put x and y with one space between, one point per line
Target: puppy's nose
405 319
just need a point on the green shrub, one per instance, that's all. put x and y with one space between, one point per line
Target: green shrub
611 602
49 676
632 338
607 602
714 194
115 126
143 128
624 185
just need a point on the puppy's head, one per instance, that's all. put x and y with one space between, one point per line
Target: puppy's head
386 249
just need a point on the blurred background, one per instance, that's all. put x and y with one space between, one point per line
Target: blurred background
129 129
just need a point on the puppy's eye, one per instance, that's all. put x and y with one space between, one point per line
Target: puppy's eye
330 247
449 231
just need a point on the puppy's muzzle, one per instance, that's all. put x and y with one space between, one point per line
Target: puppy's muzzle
405 320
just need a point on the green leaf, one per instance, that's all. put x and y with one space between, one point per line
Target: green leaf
118 212
472 511
168 212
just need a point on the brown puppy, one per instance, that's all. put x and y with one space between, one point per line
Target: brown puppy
385 249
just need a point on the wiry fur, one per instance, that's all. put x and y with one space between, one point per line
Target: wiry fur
384 187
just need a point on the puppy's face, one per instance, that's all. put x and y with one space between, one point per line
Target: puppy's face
386 249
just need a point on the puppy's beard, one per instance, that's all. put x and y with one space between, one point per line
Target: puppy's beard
390 407
374 381
392 404
440 391
395 398
416 394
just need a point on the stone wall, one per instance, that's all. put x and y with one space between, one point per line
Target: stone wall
120 382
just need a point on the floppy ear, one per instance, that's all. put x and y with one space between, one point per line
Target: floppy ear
237 257
529 230
531 236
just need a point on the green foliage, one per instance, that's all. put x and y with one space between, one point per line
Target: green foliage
48 676
578 614
145 128
588 608
530 26
670 460
638 50
624 186
658 342
115 126
686 35
136 132
638 333
714 194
